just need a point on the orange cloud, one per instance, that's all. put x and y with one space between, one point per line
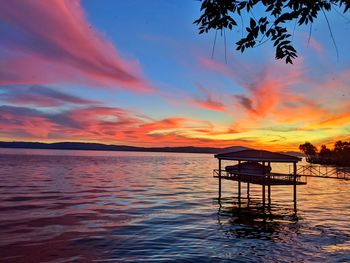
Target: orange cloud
269 94
104 124
335 120
164 124
209 102
265 89
121 126
284 101
52 41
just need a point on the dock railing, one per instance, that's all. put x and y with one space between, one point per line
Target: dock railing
323 171
280 177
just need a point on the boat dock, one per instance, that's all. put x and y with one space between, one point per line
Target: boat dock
254 167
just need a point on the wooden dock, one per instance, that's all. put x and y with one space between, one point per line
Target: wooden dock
270 179
253 167
323 171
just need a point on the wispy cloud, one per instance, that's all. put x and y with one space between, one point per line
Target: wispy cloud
105 124
245 102
40 96
208 101
287 97
316 45
22 122
51 41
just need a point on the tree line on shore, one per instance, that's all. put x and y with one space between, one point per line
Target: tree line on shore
339 155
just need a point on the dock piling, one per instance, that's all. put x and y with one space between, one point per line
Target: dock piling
263 194
248 186
295 186
219 179
269 186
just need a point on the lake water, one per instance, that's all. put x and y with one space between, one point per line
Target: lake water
87 206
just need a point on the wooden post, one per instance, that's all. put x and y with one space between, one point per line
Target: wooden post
263 194
263 185
239 183
269 187
219 179
239 189
248 185
295 186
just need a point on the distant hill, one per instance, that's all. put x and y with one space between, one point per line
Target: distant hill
234 149
111 147
106 147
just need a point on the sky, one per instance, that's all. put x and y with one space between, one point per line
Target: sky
138 73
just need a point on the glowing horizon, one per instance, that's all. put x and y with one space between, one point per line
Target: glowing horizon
88 72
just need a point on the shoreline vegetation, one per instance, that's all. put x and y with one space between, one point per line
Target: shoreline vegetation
338 156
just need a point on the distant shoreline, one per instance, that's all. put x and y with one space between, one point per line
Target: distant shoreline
105 147
84 146
100 150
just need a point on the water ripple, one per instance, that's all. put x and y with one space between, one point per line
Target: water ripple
142 207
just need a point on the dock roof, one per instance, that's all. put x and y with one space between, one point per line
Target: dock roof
258 156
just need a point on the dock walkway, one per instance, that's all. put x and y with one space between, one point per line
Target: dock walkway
270 179
322 171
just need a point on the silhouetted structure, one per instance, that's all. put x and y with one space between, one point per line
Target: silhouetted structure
251 168
331 172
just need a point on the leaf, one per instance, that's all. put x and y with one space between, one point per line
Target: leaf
283 18
283 43
301 20
269 8
252 23
263 28
346 8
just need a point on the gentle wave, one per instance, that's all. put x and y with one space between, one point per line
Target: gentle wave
147 207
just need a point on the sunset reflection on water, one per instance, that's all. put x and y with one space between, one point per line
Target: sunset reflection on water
61 206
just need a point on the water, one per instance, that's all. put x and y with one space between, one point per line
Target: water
86 206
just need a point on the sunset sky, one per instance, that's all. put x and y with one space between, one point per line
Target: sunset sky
138 73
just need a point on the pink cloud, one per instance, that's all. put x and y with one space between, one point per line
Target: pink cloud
209 102
117 125
317 46
52 41
40 96
274 95
265 88
106 125
24 122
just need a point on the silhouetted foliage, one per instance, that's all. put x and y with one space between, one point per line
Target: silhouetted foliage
325 152
340 146
339 156
308 149
342 152
224 14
